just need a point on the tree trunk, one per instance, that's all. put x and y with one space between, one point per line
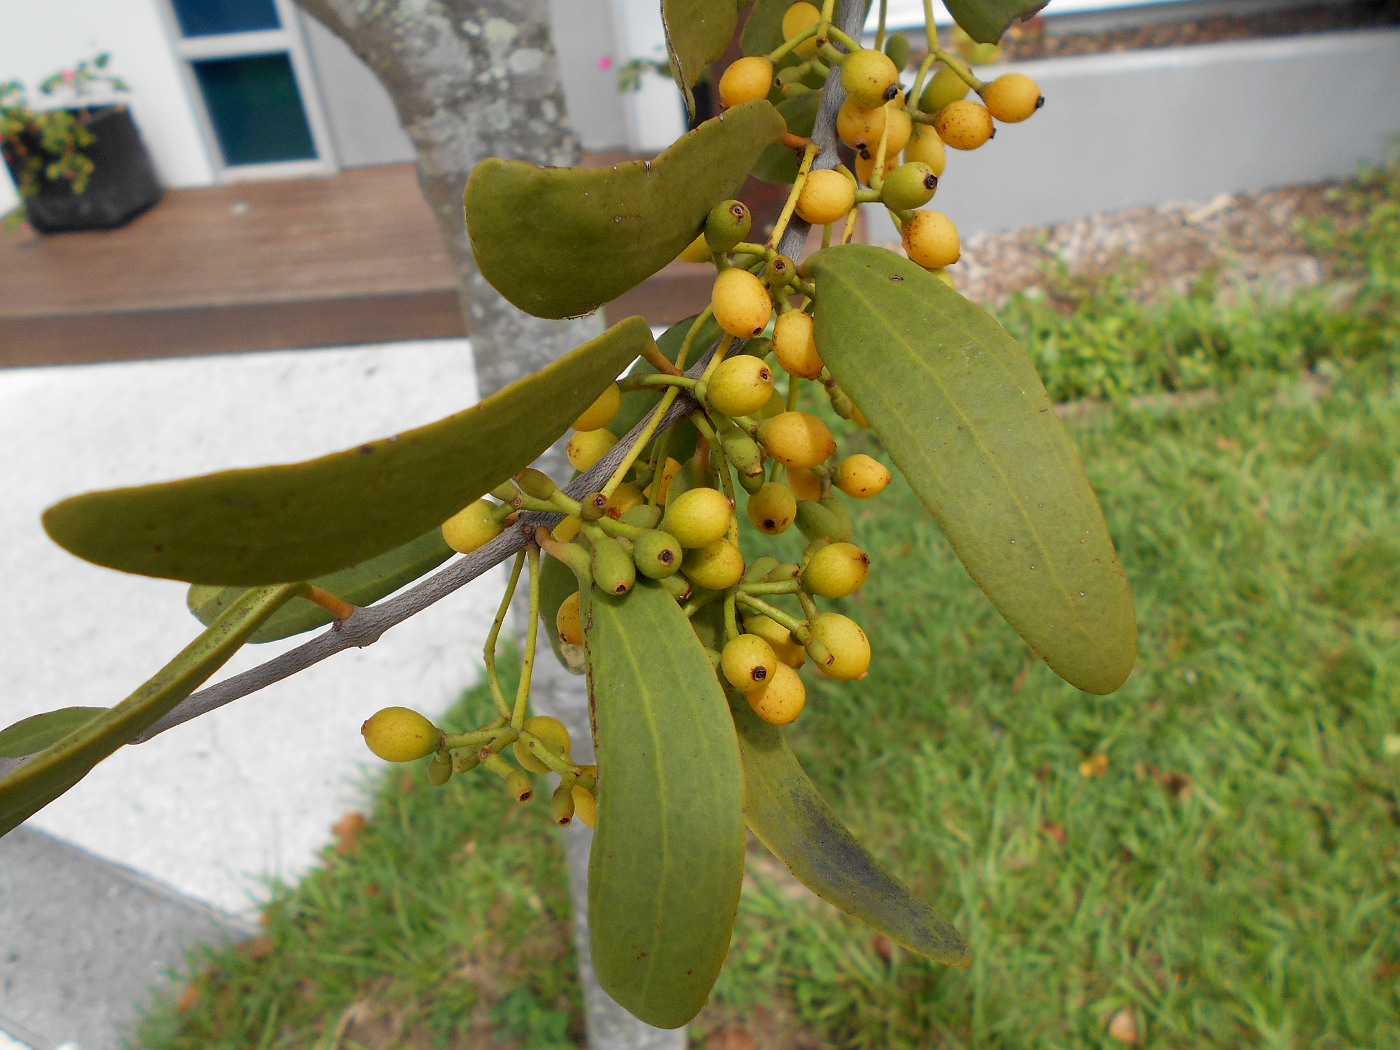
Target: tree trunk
473 79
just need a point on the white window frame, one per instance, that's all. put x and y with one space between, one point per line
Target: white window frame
287 40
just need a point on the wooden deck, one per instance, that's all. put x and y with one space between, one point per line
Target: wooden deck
354 258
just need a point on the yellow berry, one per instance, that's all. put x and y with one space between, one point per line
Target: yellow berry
931 240
794 345
747 662
861 476
472 527
601 412
826 197
869 77
698 517
1012 97
745 80
805 484
965 124
901 127
779 637
799 18
567 529
846 643
716 566
697 251
741 385
588 446
796 439
926 147
400 734
781 699
585 806
837 570
865 165
568 621
773 508
624 498
741 302
859 127
553 734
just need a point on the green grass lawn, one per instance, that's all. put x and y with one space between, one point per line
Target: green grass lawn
1216 847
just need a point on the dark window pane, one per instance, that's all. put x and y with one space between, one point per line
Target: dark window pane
207 17
255 108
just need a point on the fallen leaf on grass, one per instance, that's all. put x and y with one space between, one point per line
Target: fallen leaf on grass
1123 1026
731 1039
189 998
257 947
1094 766
1054 832
883 946
347 832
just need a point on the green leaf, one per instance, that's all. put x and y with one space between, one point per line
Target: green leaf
299 521
778 163
986 20
763 31
362 584
668 858
560 242
697 33
782 807
31 735
51 772
637 404
960 408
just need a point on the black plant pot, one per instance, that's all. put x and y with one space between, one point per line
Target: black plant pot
122 186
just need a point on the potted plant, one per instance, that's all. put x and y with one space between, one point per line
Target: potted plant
77 159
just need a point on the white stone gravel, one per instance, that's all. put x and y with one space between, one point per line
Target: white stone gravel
214 807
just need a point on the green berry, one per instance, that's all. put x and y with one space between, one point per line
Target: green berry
908 187
657 554
728 223
943 88
698 517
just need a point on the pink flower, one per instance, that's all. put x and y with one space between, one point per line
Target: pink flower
605 62
70 75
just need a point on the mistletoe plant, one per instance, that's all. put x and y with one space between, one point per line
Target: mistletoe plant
694 646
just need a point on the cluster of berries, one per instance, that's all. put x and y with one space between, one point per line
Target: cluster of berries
878 123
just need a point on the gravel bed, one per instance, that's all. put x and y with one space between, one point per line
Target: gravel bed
1251 238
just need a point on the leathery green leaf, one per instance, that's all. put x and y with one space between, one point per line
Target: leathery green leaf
697 32
361 584
298 521
27 789
959 406
986 20
763 30
560 242
782 807
778 163
668 856
31 735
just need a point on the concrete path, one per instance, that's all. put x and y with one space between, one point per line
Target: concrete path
168 844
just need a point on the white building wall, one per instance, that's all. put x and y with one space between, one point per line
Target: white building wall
44 36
